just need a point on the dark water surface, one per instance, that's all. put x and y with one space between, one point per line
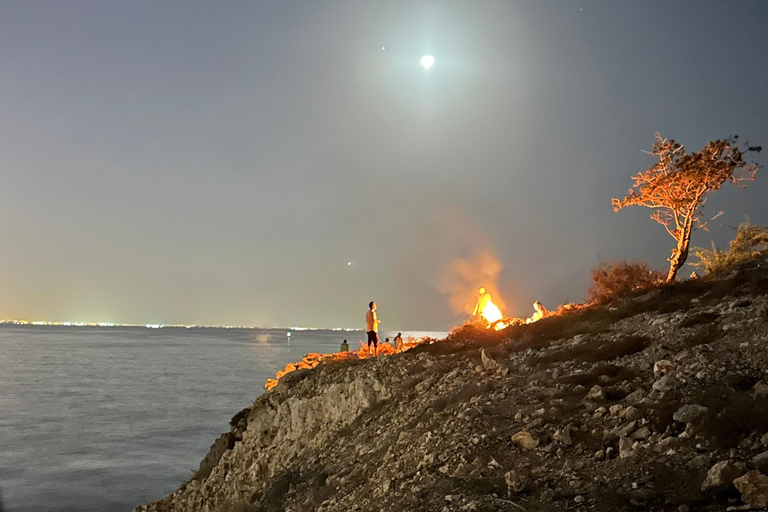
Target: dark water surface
103 419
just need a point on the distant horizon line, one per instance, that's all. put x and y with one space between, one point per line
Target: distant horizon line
184 326
162 326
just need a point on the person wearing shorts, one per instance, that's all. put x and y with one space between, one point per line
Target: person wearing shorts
372 328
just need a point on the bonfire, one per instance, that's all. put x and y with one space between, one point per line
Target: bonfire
488 314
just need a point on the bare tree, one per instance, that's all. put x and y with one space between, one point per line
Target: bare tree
678 185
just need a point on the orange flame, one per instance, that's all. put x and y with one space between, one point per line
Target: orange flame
491 312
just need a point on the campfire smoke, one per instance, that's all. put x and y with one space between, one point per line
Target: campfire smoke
462 279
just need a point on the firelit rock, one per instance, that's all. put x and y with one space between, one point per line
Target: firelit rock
596 393
664 384
721 476
760 461
563 437
615 410
760 389
525 440
662 367
690 413
631 413
753 488
488 363
516 481
625 447
634 397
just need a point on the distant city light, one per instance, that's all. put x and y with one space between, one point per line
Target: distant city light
38 323
427 61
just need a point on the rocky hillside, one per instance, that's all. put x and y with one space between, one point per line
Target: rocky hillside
656 403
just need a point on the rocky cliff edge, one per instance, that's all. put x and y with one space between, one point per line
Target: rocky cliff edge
659 402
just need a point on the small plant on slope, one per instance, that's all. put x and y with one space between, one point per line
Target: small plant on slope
750 242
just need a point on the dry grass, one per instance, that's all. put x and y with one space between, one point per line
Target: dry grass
750 243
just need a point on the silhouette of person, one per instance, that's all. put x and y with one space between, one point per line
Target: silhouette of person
539 311
482 302
372 328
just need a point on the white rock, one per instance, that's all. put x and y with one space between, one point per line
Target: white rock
488 363
663 367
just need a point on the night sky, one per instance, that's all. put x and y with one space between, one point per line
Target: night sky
225 162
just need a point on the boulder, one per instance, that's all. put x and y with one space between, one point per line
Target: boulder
562 436
488 363
760 461
662 367
516 481
760 389
721 476
634 397
631 413
753 488
664 384
596 393
615 410
690 413
525 440
625 447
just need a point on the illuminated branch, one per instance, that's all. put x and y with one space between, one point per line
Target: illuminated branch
679 184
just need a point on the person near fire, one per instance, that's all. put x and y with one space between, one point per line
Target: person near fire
539 312
398 341
482 302
372 328
344 346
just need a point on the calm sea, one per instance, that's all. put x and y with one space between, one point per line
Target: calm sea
103 419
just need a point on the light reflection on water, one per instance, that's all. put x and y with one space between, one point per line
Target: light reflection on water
95 419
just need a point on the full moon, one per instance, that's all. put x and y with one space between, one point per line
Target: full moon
427 61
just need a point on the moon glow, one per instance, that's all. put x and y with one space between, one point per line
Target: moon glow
427 61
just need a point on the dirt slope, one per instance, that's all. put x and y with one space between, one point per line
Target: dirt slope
656 403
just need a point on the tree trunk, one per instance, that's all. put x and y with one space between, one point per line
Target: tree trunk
680 254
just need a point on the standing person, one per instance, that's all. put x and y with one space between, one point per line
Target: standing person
372 328
482 302
398 341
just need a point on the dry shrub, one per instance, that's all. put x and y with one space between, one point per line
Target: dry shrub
750 242
611 280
